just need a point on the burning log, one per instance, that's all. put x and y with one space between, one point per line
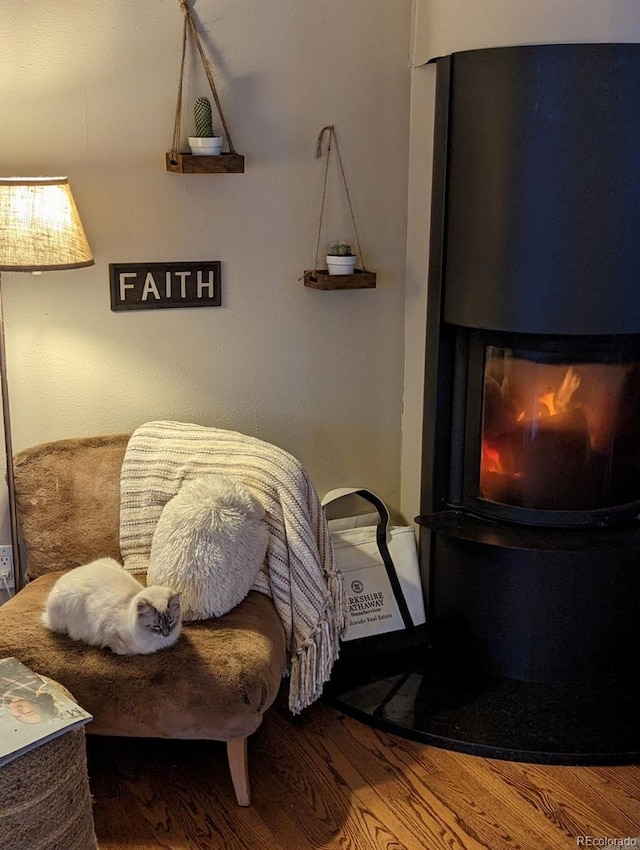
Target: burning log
544 463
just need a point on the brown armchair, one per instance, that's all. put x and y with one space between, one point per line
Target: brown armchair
215 683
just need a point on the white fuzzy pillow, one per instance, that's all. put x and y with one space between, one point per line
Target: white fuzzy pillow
209 544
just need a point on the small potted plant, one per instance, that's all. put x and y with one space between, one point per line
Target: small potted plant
204 143
340 259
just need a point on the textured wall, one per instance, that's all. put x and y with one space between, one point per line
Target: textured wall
87 89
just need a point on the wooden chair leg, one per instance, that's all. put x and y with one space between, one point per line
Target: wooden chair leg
237 756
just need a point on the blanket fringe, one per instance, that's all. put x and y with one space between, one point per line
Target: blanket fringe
339 604
310 668
311 665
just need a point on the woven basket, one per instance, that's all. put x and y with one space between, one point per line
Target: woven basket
45 802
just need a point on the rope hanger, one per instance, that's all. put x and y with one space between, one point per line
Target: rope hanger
189 29
329 131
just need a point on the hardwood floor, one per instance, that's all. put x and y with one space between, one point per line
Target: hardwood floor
328 781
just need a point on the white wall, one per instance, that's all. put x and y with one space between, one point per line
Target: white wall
446 26
87 89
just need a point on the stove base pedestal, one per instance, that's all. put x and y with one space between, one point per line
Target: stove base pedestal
551 605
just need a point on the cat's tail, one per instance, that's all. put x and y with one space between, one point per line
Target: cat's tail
45 619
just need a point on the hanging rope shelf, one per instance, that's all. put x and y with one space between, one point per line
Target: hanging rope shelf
189 163
320 278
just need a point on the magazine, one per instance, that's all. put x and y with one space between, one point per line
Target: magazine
32 710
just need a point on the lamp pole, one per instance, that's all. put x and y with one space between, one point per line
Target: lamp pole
8 445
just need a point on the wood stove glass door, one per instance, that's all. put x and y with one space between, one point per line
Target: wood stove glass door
559 432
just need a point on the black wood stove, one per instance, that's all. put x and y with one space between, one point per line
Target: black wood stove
530 537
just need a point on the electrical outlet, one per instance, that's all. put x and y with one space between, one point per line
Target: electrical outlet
6 567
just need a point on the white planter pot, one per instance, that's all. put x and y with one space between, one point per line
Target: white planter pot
205 145
340 265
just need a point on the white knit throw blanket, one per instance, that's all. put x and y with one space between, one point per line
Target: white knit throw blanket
298 573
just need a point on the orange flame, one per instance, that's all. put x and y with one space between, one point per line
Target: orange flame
491 460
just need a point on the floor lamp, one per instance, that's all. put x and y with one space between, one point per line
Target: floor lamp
40 231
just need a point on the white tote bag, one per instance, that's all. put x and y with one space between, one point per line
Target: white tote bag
379 563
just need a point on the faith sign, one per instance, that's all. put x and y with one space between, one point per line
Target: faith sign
151 286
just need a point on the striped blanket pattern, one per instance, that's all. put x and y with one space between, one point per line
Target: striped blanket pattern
298 573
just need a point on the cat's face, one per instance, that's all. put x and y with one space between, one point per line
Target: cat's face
160 619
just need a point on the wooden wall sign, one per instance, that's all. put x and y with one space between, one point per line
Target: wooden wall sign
153 286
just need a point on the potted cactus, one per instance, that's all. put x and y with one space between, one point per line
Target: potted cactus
204 143
340 259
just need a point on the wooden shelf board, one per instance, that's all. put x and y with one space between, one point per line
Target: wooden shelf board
321 279
186 163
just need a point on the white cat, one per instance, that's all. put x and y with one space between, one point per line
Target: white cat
103 605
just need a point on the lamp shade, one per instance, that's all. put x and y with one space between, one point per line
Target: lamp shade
40 229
